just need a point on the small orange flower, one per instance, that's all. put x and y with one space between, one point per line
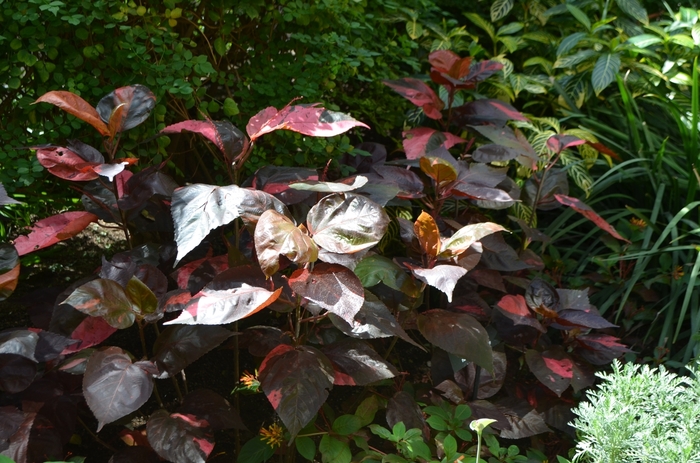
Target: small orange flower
638 222
273 435
678 273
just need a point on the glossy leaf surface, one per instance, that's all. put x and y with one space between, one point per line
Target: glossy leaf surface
421 140
466 236
65 164
296 381
49 231
106 299
9 270
347 223
357 364
418 93
133 103
442 277
276 234
178 437
590 214
113 386
75 105
178 346
230 140
333 287
459 334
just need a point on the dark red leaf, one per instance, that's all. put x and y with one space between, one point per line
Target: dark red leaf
106 299
590 214
65 164
559 143
418 93
9 270
51 230
178 437
600 349
409 184
402 408
211 407
486 111
194 275
73 104
458 334
494 153
357 364
136 454
296 381
515 308
482 70
554 368
542 298
275 180
114 387
421 140
260 340
231 141
605 150
556 182
529 425
90 332
306 119
513 139
18 445
180 345
448 62
331 286
580 318
17 372
133 103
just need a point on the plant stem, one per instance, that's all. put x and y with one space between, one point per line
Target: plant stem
177 389
95 436
237 373
391 347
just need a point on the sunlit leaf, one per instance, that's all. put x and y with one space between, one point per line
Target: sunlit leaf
466 236
331 286
132 106
106 299
75 105
590 214
276 234
428 235
604 71
9 270
357 364
66 164
49 231
442 277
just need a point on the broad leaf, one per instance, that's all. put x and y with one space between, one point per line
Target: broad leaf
635 9
541 297
357 364
51 230
210 406
17 373
276 181
194 275
231 141
296 381
513 139
559 143
590 214
330 187
198 209
127 107
331 286
466 236
178 437
219 307
306 119
178 346
458 334
373 320
600 349
276 234
486 111
515 308
73 104
554 368
428 235
114 387
5 199
569 42
555 183
90 332
142 186
9 270
375 269
65 164
19 342
106 299
442 277
421 140
529 425
584 319
604 71
438 169
418 93
409 184
142 296
334 450
494 153
402 408
347 223
500 9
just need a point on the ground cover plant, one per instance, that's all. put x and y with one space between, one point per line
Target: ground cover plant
314 277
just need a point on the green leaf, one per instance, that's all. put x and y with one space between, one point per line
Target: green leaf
695 32
4 459
579 15
255 451
399 430
500 8
464 434
230 107
634 9
449 445
573 60
683 40
367 409
482 23
142 296
334 451
569 42
414 30
511 28
462 412
306 447
347 424
380 431
644 40
220 46
377 269
436 423
106 299
604 71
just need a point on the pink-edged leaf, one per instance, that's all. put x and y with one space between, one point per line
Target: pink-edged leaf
483 70
65 164
515 308
590 214
513 139
442 277
230 140
194 275
197 209
276 234
296 381
333 287
600 349
51 230
207 405
421 140
418 93
114 387
218 307
559 143
554 368
466 236
179 437
126 107
275 180
306 119
90 332
75 105
451 63
106 299
459 334
357 364
494 153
